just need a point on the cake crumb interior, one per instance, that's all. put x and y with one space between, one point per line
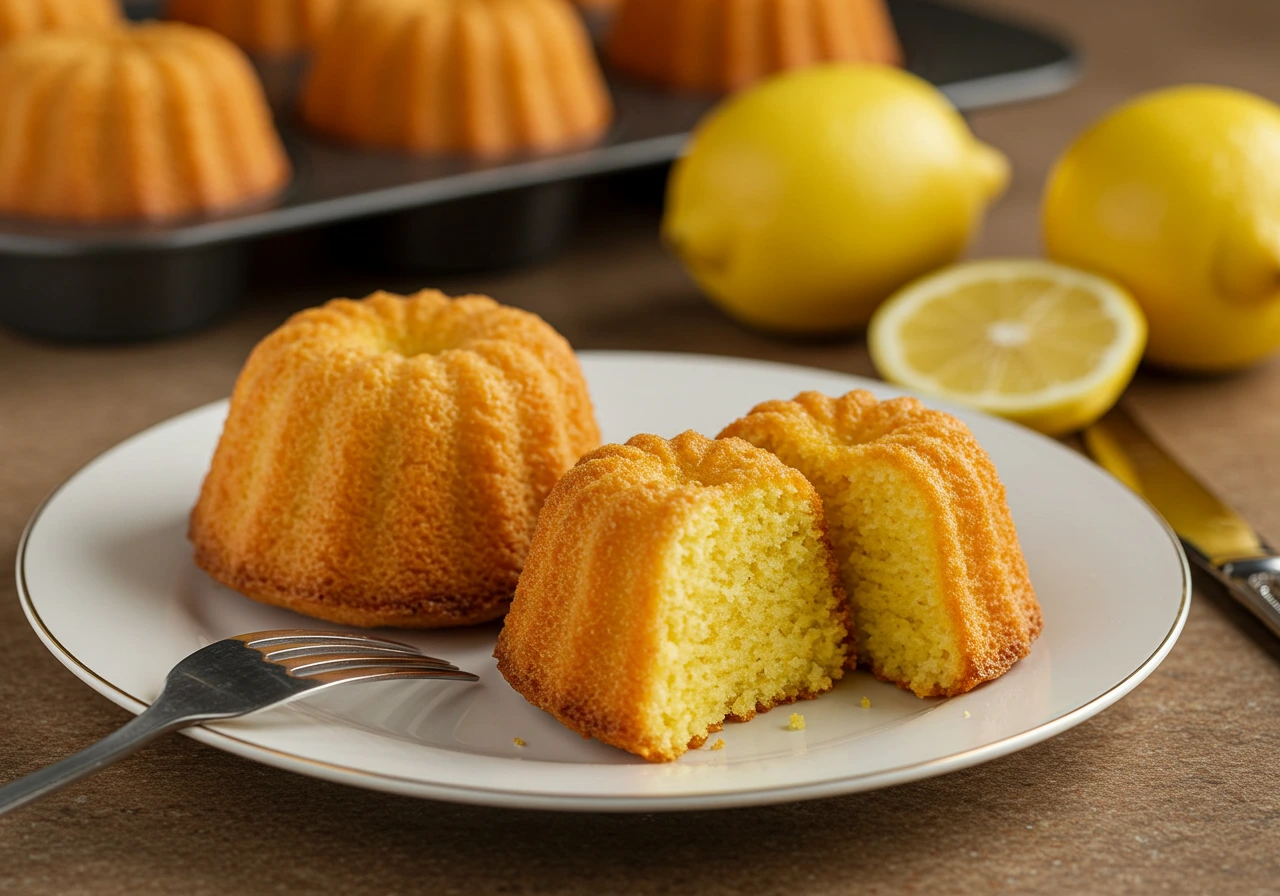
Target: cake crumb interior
750 615
882 530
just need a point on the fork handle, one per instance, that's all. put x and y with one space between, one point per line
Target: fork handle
151 724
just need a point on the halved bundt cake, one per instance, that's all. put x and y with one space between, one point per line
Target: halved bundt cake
671 585
717 46
936 578
384 460
475 77
155 121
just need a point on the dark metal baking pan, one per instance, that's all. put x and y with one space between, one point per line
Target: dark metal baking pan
143 281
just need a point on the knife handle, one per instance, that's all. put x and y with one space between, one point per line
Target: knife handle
1255 583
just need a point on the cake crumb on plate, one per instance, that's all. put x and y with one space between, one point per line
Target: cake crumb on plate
796 723
719 744
866 702
519 742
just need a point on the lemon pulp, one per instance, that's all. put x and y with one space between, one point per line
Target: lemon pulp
1036 342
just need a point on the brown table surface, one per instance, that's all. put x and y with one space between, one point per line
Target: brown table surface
1175 788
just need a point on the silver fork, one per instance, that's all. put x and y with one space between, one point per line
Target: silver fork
234 678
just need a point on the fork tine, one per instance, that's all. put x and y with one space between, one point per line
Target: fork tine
286 653
232 678
259 640
310 666
285 647
343 676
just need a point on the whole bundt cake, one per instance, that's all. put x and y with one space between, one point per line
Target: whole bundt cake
936 579
477 77
384 460
150 122
19 17
716 46
671 585
260 26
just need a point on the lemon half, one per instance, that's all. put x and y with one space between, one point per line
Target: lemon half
1040 343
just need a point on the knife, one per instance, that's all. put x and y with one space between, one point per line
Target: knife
1216 538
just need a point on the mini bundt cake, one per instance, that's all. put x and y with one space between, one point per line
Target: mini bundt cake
19 17
936 579
260 26
384 460
671 585
716 46
150 122
476 77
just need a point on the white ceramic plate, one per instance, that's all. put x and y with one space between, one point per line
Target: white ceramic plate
106 578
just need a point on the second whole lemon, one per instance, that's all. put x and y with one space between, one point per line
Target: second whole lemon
1176 196
805 201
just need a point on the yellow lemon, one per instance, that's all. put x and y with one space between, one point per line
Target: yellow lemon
1176 195
803 202
1045 345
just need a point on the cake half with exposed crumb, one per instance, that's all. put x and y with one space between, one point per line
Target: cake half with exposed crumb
936 579
671 585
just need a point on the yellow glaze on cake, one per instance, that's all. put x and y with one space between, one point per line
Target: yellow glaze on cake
384 460
260 26
20 17
936 579
724 45
150 122
476 77
671 585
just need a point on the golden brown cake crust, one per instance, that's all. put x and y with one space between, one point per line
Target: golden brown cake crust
147 122
725 45
384 460
21 17
477 77
259 26
355 606
582 636
988 591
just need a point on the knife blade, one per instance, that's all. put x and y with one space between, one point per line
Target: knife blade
1217 538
